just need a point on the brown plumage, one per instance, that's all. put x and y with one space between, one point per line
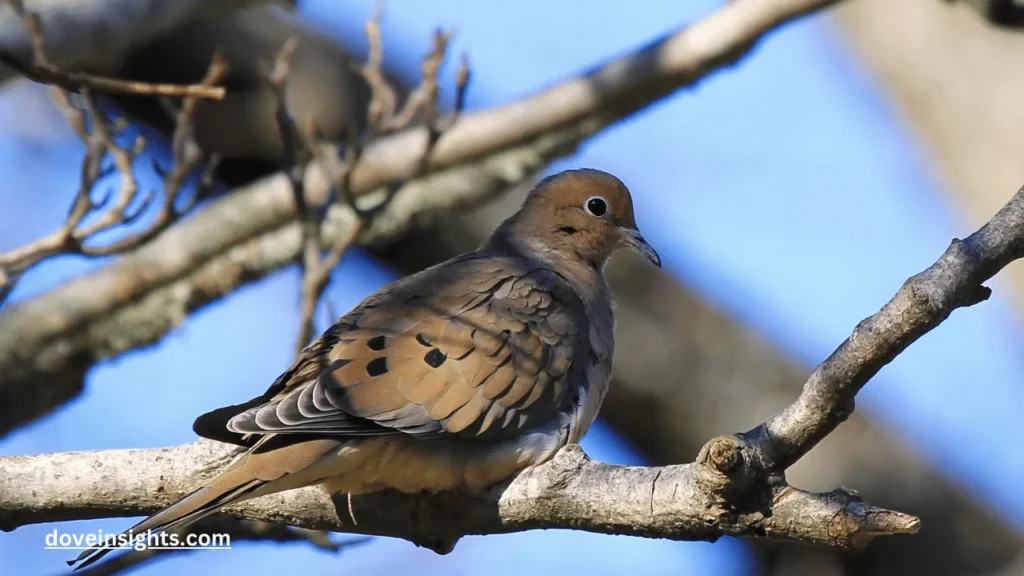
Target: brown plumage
456 377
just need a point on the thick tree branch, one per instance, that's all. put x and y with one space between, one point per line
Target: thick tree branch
684 502
48 344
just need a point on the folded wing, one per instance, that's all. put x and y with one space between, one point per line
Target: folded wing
477 348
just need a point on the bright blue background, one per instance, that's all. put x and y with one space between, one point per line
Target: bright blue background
785 191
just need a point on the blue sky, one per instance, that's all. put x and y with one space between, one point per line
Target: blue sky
785 190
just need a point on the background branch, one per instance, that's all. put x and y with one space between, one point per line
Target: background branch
98 133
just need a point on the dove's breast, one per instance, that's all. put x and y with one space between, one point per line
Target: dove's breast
411 465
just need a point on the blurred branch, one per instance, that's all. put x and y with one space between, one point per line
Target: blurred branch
73 235
736 487
97 34
48 343
238 530
299 149
40 70
683 502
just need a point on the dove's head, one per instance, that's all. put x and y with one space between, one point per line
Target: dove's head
578 216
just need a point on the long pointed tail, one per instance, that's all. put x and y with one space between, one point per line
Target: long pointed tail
253 474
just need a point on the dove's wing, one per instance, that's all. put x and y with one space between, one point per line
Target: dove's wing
477 347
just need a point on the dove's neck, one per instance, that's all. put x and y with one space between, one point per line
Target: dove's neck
584 277
518 239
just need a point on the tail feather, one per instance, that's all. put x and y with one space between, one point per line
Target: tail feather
253 474
191 508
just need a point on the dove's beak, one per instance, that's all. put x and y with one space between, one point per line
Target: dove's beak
637 242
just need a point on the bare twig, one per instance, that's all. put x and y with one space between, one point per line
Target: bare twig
382 105
74 235
40 70
46 74
318 263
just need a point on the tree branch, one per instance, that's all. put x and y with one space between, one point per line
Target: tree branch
47 344
922 303
684 502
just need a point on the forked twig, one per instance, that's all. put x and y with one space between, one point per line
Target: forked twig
89 217
383 116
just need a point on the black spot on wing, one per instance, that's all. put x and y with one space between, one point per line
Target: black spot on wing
435 358
377 366
377 343
422 339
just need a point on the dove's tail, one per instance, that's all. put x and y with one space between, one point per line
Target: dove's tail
249 476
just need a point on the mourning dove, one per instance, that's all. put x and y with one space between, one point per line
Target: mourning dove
453 378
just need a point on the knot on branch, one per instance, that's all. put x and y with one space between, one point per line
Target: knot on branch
733 470
724 454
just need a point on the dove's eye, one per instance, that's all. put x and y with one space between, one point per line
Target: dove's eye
596 207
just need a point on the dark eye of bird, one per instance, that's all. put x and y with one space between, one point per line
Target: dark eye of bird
597 206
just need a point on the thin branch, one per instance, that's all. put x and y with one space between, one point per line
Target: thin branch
924 301
102 32
41 71
73 236
381 118
76 81
693 501
47 344
383 101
